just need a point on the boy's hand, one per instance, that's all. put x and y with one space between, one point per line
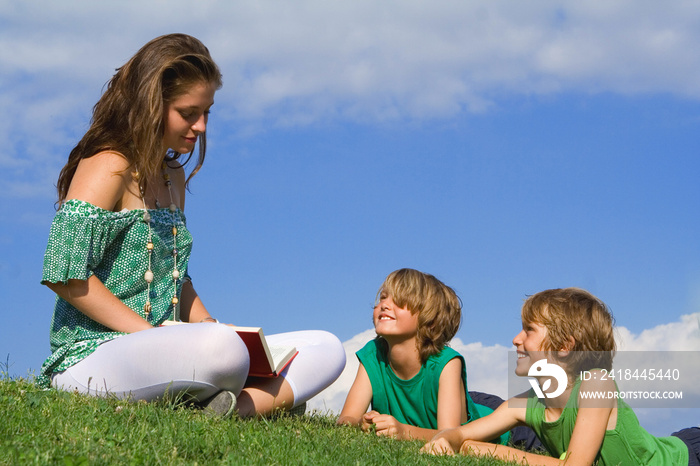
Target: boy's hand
438 446
367 422
384 424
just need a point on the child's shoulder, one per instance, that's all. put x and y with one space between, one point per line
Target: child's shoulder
446 355
102 164
450 352
375 348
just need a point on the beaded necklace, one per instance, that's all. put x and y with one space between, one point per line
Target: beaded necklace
148 276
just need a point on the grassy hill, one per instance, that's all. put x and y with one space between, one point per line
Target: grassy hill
51 427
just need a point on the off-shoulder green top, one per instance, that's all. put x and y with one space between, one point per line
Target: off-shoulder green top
86 240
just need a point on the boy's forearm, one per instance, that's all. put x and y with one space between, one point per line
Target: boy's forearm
417 433
453 436
474 448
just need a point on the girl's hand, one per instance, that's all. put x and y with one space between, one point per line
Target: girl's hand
438 446
385 424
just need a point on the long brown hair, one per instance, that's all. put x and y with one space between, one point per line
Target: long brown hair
128 118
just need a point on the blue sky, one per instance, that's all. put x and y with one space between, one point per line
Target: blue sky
504 148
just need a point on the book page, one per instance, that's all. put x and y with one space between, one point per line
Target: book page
279 353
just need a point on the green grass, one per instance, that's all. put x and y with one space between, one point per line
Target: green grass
52 427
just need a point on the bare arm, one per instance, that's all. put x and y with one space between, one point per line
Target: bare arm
504 418
94 300
191 307
595 416
358 399
475 448
103 181
586 439
452 403
387 425
592 421
452 409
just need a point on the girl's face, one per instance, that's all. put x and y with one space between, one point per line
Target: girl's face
391 320
529 344
186 117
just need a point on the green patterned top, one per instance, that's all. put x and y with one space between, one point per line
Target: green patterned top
86 240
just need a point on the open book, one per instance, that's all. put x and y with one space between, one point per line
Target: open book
265 360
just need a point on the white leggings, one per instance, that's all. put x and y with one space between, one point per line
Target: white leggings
199 360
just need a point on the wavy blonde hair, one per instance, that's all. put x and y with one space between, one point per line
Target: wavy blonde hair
128 118
573 313
438 307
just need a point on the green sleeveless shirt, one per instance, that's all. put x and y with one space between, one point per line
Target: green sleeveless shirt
414 401
627 444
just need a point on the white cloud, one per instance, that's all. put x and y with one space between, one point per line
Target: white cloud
304 62
375 60
675 336
487 366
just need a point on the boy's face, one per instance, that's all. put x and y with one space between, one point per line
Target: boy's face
391 320
529 344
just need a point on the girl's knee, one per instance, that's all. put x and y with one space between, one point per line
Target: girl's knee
222 352
326 339
326 353
333 346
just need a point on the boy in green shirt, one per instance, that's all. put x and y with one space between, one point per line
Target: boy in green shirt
416 385
574 329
